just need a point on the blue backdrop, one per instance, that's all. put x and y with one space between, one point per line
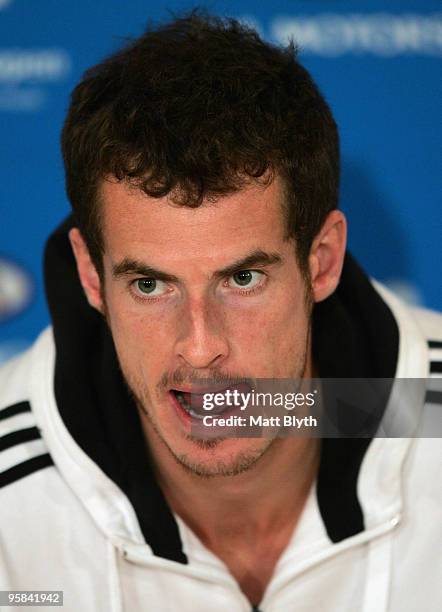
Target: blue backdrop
378 64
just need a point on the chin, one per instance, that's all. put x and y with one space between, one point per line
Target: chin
206 456
219 456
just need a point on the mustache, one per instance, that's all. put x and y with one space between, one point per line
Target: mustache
193 377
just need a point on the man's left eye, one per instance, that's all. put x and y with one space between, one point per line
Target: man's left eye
246 279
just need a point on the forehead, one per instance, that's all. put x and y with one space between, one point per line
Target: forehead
134 224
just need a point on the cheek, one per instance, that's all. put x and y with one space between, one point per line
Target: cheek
272 336
143 341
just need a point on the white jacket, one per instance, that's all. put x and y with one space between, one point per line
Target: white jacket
66 525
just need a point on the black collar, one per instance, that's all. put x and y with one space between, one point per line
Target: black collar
354 336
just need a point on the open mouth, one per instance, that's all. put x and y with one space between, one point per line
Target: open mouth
195 405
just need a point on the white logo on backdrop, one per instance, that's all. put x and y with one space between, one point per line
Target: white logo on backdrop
25 74
16 289
382 34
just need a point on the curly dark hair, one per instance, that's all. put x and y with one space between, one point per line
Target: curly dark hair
198 108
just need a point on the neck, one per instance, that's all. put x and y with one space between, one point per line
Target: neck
249 502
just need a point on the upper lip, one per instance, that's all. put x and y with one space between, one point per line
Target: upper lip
197 390
200 389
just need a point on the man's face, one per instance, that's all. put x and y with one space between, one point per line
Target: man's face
203 293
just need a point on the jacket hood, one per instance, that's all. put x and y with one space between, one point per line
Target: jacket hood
354 335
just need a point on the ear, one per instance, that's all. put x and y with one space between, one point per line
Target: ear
327 255
87 272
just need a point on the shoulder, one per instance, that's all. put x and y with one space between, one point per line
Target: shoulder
426 456
14 380
22 448
430 324
420 336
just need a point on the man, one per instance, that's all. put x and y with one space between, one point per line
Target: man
202 166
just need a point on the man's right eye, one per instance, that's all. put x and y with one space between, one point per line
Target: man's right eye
150 287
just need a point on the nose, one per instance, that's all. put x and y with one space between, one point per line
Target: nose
202 341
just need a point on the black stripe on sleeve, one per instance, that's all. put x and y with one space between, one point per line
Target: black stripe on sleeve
435 344
433 397
18 437
436 367
24 469
15 409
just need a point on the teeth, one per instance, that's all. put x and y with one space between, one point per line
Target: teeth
195 415
181 400
187 408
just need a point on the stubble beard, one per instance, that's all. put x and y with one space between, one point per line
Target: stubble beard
238 463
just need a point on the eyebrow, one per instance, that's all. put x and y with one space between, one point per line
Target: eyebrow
130 267
257 258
